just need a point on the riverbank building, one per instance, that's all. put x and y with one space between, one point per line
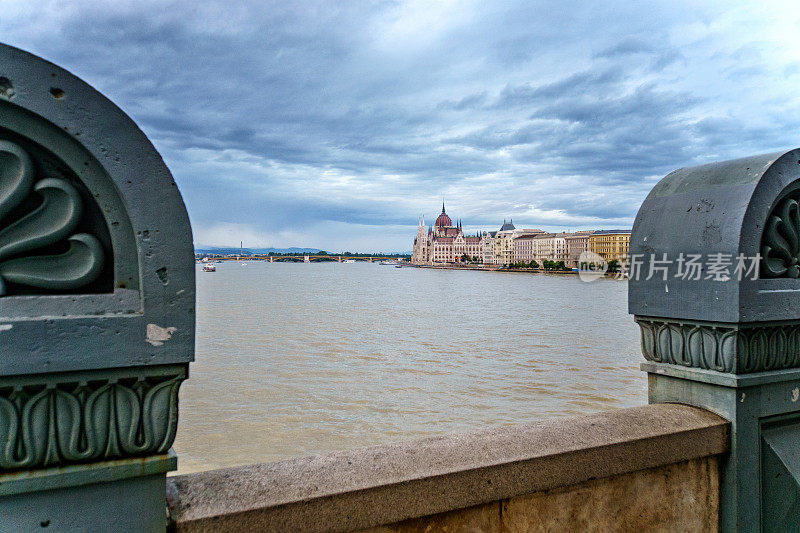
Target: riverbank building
445 242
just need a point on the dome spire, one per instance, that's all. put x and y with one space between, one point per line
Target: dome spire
443 221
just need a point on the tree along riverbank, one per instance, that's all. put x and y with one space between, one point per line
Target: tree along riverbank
495 268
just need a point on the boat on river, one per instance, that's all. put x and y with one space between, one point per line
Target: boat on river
209 268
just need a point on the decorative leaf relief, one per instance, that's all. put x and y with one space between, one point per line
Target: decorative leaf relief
16 176
53 221
728 346
79 265
721 347
702 345
649 342
792 355
161 415
63 424
780 244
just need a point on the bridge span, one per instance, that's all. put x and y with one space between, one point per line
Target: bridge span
301 258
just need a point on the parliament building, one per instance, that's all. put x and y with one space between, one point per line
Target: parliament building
445 242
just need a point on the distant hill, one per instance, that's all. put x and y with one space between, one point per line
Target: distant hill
249 251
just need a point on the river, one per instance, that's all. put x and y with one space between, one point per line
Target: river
296 359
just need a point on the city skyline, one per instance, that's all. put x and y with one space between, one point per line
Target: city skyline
334 126
468 229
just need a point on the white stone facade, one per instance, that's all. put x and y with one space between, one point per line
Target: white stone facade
487 242
540 247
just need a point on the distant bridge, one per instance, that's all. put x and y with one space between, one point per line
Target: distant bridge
337 258
300 258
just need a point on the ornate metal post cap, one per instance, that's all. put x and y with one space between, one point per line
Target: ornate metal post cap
714 269
97 276
96 258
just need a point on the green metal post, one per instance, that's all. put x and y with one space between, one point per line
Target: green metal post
724 335
96 308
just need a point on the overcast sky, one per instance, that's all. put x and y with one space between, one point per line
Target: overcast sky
338 124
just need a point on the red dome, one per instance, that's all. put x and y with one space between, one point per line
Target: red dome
443 220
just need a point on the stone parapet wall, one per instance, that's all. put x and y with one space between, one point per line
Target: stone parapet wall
653 465
677 497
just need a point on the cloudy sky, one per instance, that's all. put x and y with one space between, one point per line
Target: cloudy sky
338 124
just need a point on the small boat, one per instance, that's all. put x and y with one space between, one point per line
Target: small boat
209 268
398 266
349 261
387 262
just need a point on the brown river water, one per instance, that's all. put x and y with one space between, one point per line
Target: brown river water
297 359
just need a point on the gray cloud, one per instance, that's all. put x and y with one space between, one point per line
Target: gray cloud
627 46
325 124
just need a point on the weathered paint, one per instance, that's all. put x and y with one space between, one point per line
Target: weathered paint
157 336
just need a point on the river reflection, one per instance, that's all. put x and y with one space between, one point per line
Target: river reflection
298 359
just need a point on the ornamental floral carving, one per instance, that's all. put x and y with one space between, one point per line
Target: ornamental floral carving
780 244
82 421
28 237
721 347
